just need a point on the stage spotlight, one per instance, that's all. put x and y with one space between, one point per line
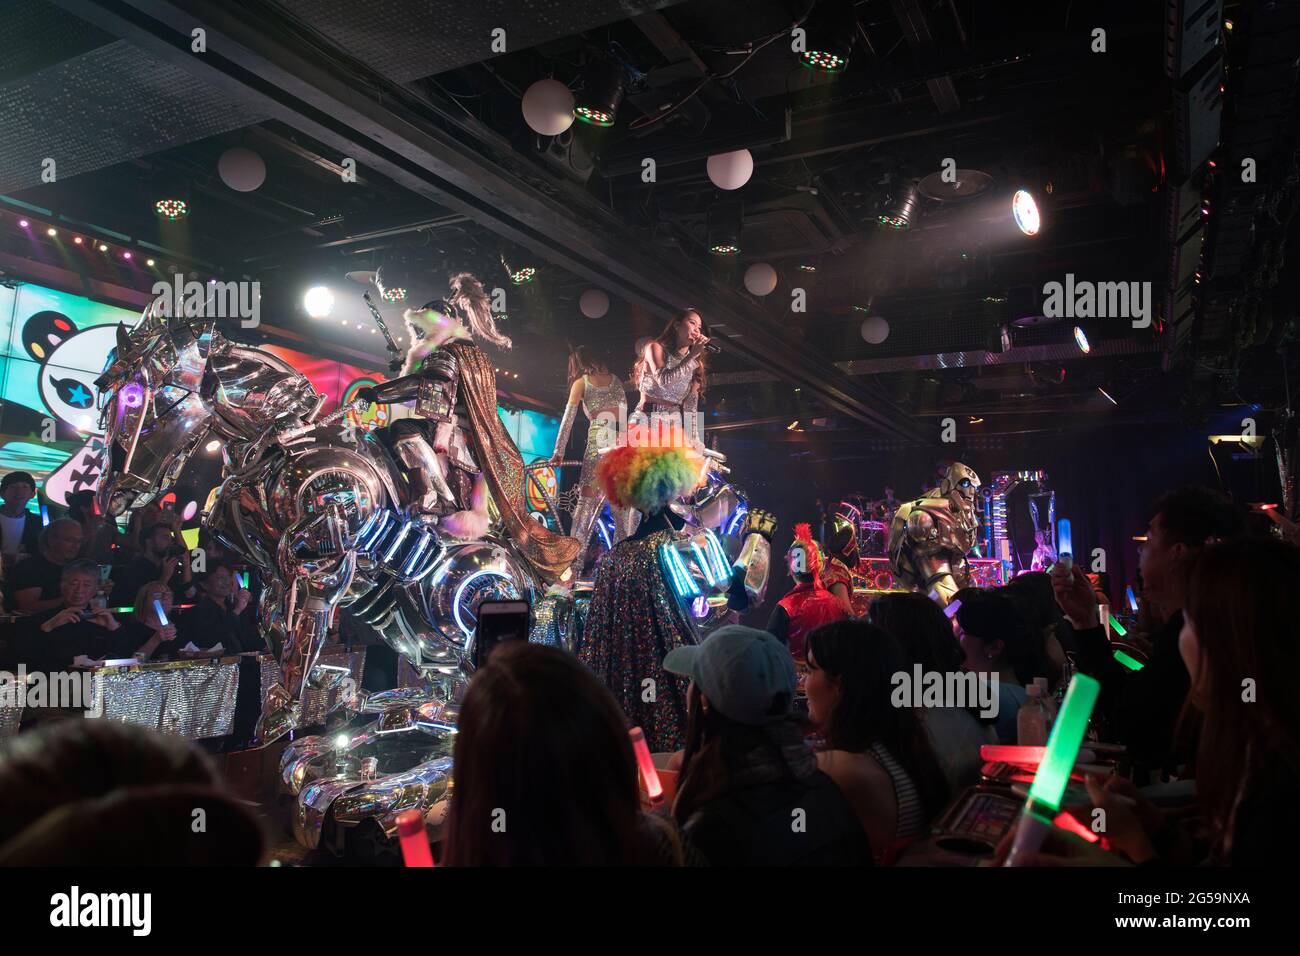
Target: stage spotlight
51 232
77 240
724 225
1025 211
318 302
523 276
1081 340
829 30
171 209
393 294
902 207
602 91
149 263
103 247
126 255
23 223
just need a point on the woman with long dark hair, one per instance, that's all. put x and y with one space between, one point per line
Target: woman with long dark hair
671 372
925 637
602 397
545 773
876 751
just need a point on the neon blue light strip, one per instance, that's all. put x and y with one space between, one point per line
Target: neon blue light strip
416 552
397 542
719 556
703 564
683 584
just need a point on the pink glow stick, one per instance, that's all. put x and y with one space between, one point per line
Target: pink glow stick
415 844
649 774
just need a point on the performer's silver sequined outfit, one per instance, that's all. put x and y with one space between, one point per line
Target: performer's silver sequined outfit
668 394
605 407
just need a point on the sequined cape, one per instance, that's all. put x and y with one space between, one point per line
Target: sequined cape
503 466
633 622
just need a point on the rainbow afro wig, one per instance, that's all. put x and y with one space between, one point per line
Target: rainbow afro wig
653 467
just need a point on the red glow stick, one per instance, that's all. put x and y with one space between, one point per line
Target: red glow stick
415 844
1025 756
649 774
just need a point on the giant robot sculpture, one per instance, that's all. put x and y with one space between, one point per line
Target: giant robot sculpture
336 518
930 537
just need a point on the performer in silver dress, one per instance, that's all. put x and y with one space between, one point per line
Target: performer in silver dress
603 398
670 374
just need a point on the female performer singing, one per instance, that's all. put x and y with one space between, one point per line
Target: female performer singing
604 400
670 374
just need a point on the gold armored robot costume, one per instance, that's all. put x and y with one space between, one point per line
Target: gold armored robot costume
930 537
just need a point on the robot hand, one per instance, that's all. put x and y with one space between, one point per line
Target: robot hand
759 522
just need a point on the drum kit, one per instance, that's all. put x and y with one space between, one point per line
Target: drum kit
872 519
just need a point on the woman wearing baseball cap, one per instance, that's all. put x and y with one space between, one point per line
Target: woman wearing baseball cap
750 791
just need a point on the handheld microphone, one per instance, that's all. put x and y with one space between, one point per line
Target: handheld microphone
712 349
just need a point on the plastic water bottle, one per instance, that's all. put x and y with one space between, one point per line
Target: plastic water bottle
1031 720
1049 702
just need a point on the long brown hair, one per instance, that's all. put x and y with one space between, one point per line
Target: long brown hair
667 340
865 659
1240 604
541 741
468 293
584 360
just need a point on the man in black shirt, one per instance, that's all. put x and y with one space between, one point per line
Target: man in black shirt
218 618
162 558
34 581
1142 707
51 640
19 528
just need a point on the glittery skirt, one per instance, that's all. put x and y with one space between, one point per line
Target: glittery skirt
601 434
633 622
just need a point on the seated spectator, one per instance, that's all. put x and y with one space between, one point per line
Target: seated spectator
926 638
997 642
807 605
217 618
151 638
34 582
19 528
1239 632
104 793
876 752
162 557
545 772
51 640
1035 599
99 534
746 768
1141 708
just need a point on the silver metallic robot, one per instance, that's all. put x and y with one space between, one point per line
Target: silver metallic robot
930 537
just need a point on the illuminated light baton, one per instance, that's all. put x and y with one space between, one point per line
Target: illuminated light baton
242 577
952 609
1116 626
1065 543
1131 663
45 516
1053 774
1132 599
649 774
162 615
1028 756
415 844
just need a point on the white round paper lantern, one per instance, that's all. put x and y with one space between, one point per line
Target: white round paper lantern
875 330
548 107
594 303
760 278
241 169
731 170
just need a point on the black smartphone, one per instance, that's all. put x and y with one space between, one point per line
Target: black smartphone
498 622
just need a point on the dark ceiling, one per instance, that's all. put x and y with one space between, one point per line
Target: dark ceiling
1124 148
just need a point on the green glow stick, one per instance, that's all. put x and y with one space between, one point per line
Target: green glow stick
1063 746
1053 774
1117 627
1129 662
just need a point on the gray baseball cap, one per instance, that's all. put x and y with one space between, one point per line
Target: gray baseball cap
740 670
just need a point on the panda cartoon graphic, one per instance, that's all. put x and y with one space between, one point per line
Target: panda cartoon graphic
70 359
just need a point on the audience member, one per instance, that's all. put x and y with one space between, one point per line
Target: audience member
145 630
19 527
34 582
99 534
998 642
926 638
105 793
1035 599
162 557
746 768
218 616
878 753
1141 707
545 772
51 640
